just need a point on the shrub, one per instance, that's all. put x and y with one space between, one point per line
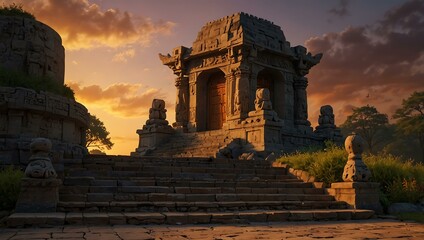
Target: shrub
325 165
9 78
10 184
15 10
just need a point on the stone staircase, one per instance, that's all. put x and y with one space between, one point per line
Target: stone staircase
150 190
197 144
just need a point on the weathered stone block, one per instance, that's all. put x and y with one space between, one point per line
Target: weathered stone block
38 195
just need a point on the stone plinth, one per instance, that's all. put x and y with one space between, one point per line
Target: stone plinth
149 139
262 130
38 195
358 195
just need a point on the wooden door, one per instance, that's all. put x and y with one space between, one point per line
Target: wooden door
216 102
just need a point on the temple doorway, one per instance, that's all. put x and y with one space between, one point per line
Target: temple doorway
216 101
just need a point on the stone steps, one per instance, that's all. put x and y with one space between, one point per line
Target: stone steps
189 197
197 144
160 190
177 218
198 206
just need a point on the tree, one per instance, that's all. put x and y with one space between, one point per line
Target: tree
411 118
97 135
369 123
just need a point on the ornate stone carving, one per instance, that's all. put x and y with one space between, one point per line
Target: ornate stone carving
263 99
305 61
326 127
355 169
40 165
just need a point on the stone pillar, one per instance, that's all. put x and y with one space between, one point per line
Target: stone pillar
300 102
242 91
356 191
39 188
181 106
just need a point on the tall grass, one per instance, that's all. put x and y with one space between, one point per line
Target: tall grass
400 181
10 185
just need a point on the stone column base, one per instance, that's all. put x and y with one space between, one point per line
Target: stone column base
358 195
38 195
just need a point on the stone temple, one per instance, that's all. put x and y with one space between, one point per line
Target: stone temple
240 86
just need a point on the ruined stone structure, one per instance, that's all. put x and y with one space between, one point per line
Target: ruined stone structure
26 114
155 131
242 76
32 47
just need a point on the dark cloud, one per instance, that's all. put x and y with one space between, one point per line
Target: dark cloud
126 100
84 25
341 9
379 64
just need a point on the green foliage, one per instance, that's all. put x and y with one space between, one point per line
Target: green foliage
15 10
411 118
326 165
97 136
10 78
10 184
369 123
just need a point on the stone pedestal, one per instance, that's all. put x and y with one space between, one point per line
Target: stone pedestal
358 195
149 139
38 195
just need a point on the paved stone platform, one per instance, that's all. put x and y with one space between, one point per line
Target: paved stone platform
364 229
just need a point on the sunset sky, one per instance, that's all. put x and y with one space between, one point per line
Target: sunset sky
373 51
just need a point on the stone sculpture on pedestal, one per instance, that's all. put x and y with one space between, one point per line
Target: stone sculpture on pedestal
156 130
39 189
355 169
326 128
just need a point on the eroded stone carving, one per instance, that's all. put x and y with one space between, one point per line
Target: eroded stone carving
355 169
263 99
326 117
40 165
157 113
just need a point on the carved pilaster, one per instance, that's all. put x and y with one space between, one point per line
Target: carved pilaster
181 106
241 95
300 102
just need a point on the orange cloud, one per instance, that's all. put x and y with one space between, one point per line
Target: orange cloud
123 99
85 25
379 64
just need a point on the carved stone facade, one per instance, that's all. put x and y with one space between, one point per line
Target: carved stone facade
32 47
218 78
26 114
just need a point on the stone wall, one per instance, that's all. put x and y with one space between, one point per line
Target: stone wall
26 114
32 47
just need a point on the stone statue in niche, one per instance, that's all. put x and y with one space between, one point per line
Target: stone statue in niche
40 165
157 113
355 169
263 99
326 117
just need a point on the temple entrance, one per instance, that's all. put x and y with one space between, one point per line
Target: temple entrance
216 101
